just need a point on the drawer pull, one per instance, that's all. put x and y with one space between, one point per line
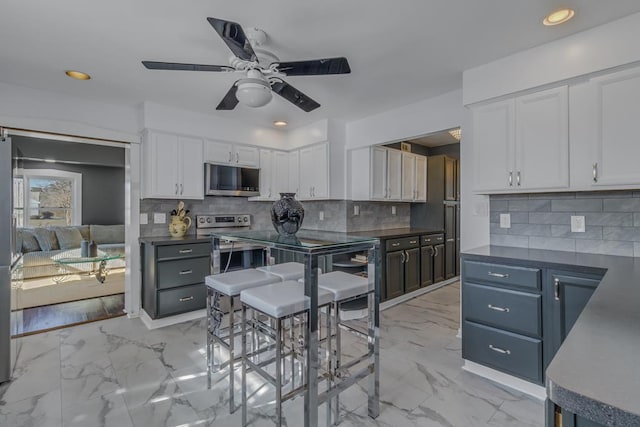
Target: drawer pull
395 244
185 251
413 242
185 299
185 272
556 289
501 309
499 350
500 275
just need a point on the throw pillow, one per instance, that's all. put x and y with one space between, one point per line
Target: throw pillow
29 242
104 234
68 237
47 239
84 230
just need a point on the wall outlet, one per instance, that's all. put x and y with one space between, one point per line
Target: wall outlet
356 210
577 224
321 215
505 220
144 219
393 210
159 218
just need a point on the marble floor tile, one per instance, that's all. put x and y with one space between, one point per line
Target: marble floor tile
92 380
108 410
42 410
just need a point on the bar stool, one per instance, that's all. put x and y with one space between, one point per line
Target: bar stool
344 288
278 302
228 285
285 271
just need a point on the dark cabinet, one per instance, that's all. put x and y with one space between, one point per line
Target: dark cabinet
394 274
431 259
426 265
412 270
450 179
173 277
438 263
402 269
450 221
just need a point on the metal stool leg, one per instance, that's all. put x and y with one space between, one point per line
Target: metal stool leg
244 365
278 372
329 361
232 356
337 361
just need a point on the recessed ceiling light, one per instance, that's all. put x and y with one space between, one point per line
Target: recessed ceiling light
78 75
558 17
280 123
456 133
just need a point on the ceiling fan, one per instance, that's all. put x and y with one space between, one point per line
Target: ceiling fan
255 89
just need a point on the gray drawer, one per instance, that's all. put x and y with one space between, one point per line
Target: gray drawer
432 239
403 243
182 300
183 272
184 251
505 351
516 311
506 275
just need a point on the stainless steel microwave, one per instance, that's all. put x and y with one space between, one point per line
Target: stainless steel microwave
225 180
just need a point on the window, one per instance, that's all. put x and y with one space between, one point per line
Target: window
47 197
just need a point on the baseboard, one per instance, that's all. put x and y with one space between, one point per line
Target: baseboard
510 381
173 320
417 293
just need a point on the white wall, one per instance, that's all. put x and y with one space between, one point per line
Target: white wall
32 109
411 121
600 48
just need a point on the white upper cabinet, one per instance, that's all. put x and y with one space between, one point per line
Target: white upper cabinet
421 179
378 175
394 175
615 147
294 172
314 172
522 143
280 175
414 178
266 174
173 166
227 153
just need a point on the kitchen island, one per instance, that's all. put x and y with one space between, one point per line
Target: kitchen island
594 375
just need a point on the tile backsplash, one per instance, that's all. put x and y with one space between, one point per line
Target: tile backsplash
543 221
338 214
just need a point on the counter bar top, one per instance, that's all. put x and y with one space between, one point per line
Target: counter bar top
596 371
396 232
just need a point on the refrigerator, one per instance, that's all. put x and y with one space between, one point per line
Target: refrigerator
10 260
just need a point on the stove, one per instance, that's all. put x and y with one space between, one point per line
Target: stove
206 224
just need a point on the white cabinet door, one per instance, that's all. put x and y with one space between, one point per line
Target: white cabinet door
163 181
321 175
408 176
542 140
394 175
616 147
266 173
294 172
218 152
246 155
191 168
421 179
280 174
307 171
378 178
493 153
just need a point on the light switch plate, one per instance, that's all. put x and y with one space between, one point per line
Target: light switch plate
505 220
159 218
356 210
578 224
393 210
321 215
144 219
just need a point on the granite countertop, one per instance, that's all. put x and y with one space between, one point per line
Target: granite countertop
596 371
396 232
163 240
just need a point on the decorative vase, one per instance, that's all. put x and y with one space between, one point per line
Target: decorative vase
179 225
287 214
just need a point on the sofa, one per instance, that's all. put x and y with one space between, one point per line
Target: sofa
42 246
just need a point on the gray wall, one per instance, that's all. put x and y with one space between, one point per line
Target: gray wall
102 191
338 214
543 221
88 154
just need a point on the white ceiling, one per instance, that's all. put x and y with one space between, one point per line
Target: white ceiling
400 52
435 139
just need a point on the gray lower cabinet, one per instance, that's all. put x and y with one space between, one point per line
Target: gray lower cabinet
432 259
173 277
515 317
394 274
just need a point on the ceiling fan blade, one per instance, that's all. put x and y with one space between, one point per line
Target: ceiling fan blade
315 67
229 101
233 35
294 96
154 65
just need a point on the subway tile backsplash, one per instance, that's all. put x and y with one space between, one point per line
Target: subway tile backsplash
543 221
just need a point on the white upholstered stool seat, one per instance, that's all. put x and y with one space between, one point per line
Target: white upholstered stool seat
234 282
281 299
342 285
285 271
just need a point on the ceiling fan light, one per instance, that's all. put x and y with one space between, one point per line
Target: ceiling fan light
254 93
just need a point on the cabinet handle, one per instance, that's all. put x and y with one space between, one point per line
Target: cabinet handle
176 188
413 241
499 350
432 251
181 189
185 251
185 272
237 158
436 249
230 156
395 245
595 172
510 178
500 275
518 178
556 289
501 309
402 257
184 299
407 254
